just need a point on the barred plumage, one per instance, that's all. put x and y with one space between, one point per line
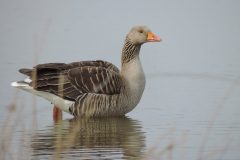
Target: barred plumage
130 51
93 88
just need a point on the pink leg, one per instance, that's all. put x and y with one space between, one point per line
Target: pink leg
57 114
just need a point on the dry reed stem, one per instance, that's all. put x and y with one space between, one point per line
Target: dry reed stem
64 143
10 126
213 119
14 117
151 150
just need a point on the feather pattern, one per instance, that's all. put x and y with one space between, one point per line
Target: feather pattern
71 80
92 88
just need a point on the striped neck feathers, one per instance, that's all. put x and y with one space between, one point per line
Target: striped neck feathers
129 51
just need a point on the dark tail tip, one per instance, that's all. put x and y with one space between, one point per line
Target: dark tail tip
25 71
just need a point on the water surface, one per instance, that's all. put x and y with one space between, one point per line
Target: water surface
190 106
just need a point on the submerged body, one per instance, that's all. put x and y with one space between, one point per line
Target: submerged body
93 88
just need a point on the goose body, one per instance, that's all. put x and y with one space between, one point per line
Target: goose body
93 88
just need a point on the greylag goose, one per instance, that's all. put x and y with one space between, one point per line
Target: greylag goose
93 88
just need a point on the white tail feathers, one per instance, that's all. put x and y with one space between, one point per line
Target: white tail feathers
56 100
23 83
19 84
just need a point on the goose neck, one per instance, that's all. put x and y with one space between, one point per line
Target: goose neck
129 52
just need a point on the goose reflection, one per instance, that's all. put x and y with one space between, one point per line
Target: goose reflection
95 138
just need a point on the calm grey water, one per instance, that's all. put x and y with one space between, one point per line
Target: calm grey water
190 107
193 117
108 138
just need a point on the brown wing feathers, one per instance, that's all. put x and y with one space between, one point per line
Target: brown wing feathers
71 80
95 80
97 63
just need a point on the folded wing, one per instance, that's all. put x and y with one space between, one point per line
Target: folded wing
71 80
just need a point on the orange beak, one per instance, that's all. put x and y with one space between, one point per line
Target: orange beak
151 37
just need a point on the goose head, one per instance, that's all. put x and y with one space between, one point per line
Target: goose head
139 35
